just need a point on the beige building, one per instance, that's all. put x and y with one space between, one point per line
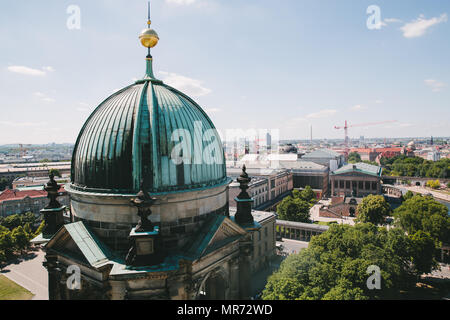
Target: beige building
266 187
359 180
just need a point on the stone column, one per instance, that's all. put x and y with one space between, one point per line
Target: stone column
54 275
245 248
234 275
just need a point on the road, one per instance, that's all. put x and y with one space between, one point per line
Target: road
292 246
437 195
29 273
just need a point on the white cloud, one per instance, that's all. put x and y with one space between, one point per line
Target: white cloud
321 114
189 86
44 97
30 71
379 101
435 85
418 27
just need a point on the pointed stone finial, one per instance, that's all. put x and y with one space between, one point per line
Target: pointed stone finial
243 200
143 202
52 189
244 180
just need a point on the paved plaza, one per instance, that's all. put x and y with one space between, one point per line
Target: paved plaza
28 272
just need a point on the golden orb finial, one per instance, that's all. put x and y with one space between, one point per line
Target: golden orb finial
149 38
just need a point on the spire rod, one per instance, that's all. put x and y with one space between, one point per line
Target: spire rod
148 12
149 22
149 38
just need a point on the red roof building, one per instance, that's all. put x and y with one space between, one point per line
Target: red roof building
16 202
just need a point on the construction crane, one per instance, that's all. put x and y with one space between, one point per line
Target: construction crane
346 126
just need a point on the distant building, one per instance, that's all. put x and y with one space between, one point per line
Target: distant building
304 173
268 141
33 169
17 202
359 180
27 182
308 173
375 154
267 187
326 157
434 156
289 148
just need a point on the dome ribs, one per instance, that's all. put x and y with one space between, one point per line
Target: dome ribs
128 137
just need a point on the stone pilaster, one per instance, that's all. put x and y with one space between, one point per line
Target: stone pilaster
54 272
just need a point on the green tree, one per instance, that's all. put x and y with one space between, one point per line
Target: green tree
28 217
5 182
408 195
424 214
334 266
12 221
28 231
423 248
40 228
354 157
55 172
20 238
434 184
308 195
373 209
6 243
293 209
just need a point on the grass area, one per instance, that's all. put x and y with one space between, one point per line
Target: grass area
325 223
9 290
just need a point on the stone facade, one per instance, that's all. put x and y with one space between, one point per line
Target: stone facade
355 183
266 185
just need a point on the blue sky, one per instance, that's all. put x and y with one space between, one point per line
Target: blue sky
260 64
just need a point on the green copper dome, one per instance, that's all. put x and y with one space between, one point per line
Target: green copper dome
132 137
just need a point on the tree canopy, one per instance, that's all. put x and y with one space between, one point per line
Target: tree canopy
354 157
55 172
297 206
373 209
293 209
335 264
425 214
15 234
416 167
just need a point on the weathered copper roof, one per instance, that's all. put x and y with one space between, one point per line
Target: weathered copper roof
129 138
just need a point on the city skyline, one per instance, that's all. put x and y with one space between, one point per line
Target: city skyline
288 67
